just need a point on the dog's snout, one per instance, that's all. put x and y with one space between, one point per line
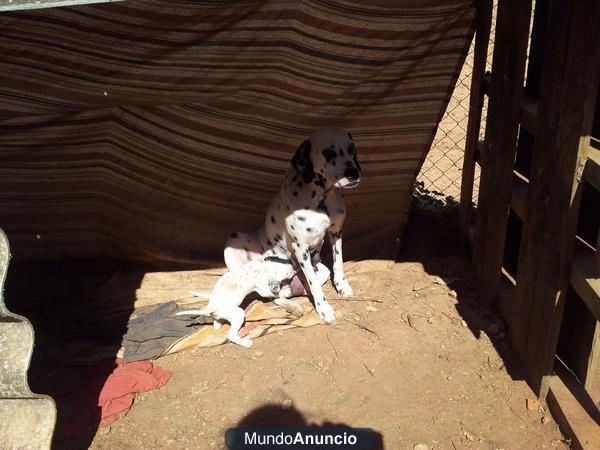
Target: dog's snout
352 174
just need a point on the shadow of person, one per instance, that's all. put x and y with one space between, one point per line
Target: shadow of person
275 416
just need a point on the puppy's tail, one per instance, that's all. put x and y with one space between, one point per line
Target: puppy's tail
194 312
206 311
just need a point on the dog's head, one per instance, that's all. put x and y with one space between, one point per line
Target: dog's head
330 155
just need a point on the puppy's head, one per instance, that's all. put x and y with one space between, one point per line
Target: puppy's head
330 154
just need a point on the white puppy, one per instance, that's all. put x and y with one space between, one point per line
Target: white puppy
262 277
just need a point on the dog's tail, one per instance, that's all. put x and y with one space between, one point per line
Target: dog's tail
206 311
194 312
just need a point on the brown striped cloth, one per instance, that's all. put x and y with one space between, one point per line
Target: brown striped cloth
153 129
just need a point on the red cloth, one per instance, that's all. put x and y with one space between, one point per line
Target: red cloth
101 393
116 397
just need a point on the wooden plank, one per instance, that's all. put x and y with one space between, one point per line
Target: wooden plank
487 82
593 360
508 68
529 112
482 37
480 153
591 172
576 418
518 196
569 87
583 278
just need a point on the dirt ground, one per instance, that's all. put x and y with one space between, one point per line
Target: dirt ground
421 364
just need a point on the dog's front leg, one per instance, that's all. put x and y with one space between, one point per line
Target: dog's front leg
323 307
339 279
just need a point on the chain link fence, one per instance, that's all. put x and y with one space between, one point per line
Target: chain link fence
442 170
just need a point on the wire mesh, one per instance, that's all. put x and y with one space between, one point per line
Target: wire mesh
442 169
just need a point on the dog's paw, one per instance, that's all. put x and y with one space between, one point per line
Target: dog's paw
244 342
286 292
326 312
343 288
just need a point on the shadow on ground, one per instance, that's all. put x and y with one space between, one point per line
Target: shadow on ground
431 238
278 417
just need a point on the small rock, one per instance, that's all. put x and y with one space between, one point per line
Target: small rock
463 323
371 308
286 404
545 420
532 404
452 293
422 447
280 358
468 436
258 353
419 286
438 280
430 320
417 295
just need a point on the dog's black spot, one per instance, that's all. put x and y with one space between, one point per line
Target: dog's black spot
351 149
302 163
292 227
272 219
320 181
299 184
336 251
308 230
301 264
313 194
349 164
301 218
278 237
287 207
233 235
295 193
305 256
322 207
295 178
341 152
333 162
269 243
330 154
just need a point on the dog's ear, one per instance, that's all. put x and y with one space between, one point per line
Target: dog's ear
356 162
302 162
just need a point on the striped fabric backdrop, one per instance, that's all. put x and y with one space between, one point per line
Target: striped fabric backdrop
153 129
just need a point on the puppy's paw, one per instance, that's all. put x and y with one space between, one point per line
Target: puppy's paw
325 311
244 342
343 288
286 292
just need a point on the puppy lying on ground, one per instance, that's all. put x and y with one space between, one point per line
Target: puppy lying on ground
262 277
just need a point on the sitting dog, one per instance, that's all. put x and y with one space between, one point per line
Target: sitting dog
308 206
262 277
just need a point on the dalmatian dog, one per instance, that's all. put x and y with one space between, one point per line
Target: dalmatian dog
262 277
308 206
